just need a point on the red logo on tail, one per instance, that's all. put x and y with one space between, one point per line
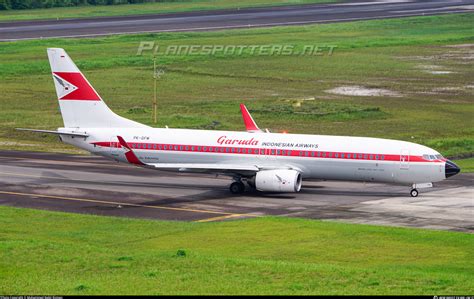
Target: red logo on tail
75 87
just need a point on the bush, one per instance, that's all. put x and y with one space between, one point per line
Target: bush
181 253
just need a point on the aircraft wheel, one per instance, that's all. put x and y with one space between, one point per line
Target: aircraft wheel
414 193
237 188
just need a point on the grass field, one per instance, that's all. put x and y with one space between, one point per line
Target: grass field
426 61
143 8
58 253
466 165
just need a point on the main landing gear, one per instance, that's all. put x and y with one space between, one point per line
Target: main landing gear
414 193
237 187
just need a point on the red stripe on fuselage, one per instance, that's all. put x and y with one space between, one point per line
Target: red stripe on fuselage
262 152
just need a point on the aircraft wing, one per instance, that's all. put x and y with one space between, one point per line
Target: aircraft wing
206 168
189 167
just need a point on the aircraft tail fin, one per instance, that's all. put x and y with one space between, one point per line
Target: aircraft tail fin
81 106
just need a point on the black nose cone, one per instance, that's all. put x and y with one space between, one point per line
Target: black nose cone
451 169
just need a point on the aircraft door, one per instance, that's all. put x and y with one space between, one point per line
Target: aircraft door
405 159
271 154
115 148
267 154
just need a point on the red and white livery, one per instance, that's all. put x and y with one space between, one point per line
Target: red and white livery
269 162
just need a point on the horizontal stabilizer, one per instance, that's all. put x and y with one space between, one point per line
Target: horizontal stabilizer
78 134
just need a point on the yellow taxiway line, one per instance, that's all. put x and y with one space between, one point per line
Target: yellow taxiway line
222 217
225 214
41 176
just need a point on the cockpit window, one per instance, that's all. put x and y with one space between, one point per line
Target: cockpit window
432 157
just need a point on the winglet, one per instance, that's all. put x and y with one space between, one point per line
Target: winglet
250 124
129 154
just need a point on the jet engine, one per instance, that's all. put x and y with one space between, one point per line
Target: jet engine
278 180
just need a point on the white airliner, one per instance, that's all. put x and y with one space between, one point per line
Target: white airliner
268 162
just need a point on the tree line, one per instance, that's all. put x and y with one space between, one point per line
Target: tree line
28 4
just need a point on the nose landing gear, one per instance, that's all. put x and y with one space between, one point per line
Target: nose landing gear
414 193
414 190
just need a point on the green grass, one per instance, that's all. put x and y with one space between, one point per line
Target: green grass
466 165
143 8
283 92
58 253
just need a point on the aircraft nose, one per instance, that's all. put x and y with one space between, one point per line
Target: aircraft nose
451 169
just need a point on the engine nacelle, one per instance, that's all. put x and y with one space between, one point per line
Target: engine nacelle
278 180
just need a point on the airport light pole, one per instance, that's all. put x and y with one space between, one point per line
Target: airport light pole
157 73
155 76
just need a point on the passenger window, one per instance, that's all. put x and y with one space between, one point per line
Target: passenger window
336 155
382 157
